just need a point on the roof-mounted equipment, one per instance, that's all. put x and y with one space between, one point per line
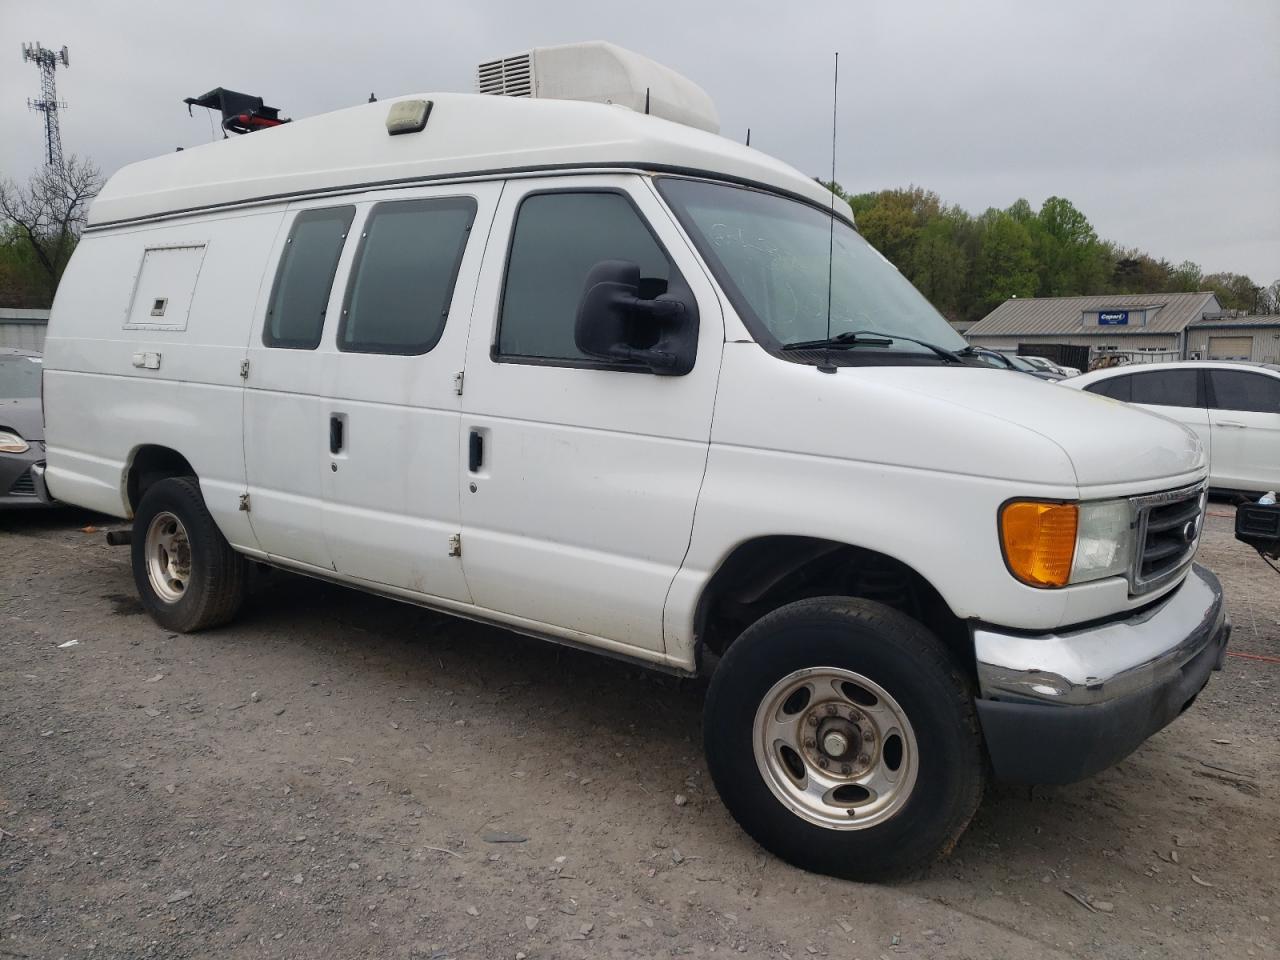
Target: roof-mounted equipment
600 72
241 112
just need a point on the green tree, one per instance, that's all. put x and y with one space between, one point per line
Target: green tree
46 215
1005 265
1235 291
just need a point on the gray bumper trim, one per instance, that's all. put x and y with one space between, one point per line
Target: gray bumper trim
37 480
1101 663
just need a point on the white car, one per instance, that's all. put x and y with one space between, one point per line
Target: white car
1233 407
577 370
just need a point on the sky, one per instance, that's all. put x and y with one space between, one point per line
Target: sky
1159 119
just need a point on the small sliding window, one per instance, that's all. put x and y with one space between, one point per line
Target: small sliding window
402 281
300 295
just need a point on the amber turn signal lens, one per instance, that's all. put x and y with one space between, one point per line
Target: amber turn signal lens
1039 541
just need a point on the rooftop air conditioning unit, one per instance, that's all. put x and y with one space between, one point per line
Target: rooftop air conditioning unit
600 72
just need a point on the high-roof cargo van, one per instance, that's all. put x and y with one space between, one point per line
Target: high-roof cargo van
564 360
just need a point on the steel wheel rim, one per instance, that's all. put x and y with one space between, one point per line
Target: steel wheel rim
168 557
804 720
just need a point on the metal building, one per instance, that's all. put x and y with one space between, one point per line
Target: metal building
23 328
1079 330
1254 338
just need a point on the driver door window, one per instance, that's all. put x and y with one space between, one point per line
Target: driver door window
557 239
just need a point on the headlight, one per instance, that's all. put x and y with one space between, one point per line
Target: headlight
10 442
1055 544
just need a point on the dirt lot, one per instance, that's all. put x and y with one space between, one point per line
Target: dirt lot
330 777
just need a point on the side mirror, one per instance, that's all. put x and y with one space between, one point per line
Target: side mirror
615 323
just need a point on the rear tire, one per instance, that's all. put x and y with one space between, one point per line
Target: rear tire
843 737
187 575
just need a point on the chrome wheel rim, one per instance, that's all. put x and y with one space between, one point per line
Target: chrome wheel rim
835 748
168 556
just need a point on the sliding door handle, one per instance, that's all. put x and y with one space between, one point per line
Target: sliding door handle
475 451
335 434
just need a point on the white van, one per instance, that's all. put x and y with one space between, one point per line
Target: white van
577 370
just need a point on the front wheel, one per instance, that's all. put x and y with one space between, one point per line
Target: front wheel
187 575
842 736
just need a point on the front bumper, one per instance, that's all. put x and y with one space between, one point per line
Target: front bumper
1056 708
19 485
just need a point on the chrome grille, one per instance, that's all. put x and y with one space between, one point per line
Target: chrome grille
24 486
1168 529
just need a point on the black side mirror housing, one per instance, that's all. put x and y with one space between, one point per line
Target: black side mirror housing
615 323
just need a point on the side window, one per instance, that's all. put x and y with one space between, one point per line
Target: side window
1117 388
1251 392
1166 388
403 276
557 239
300 295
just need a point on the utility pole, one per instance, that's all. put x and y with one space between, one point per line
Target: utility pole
48 104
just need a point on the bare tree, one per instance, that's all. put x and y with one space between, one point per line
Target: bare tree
49 211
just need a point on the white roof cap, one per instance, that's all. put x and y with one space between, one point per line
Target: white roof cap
465 135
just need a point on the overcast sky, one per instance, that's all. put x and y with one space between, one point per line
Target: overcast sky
1160 119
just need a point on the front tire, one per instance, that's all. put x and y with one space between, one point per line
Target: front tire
843 737
187 575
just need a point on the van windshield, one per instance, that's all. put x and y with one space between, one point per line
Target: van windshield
770 255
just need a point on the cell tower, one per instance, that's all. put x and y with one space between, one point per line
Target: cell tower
48 104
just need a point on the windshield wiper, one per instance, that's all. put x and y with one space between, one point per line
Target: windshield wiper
853 338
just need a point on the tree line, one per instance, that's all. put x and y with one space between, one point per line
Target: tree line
967 265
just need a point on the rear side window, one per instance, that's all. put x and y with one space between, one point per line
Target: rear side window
1250 392
1117 388
300 296
404 273
1166 388
558 238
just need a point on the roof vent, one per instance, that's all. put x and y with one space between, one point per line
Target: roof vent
600 73
512 77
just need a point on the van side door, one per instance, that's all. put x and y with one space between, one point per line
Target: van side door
286 398
580 475
390 438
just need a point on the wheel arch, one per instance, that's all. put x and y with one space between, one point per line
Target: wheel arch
763 573
149 463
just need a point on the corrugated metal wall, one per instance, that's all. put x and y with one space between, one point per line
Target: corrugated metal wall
1266 341
1121 342
25 334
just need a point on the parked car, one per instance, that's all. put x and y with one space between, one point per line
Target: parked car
1010 361
1044 363
1232 407
573 369
21 427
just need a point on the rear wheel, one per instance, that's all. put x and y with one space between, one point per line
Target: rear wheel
843 738
187 575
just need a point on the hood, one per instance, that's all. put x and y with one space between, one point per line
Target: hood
977 421
23 416
1107 441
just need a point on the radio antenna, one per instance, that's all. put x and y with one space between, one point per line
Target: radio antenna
831 233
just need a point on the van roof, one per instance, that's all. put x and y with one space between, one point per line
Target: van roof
466 135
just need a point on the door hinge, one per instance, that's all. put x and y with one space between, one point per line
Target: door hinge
244 502
455 545
244 369
457 383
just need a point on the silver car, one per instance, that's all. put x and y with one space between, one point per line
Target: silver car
21 427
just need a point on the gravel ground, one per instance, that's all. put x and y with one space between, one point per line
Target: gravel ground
342 776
